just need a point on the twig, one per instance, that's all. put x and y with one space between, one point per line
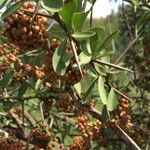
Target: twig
132 42
29 118
95 113
3 114
64 118
35 12
25 114
15 118
76 101
41 111
91 17
128 139
112 65
27 97
127 21
75 54
51 122
23 110
40 14
5 134
124 96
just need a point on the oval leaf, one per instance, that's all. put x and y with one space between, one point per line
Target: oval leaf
67 12
78 20
101 90
108 39
22 90
11 9
2 3
87 93
58 64
95 40
7 78
84 58
52 5
112 100
83 35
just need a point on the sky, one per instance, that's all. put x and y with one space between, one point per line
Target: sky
102 8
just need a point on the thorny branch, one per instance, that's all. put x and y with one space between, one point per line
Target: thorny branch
112 65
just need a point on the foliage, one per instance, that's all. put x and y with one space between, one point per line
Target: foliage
58 86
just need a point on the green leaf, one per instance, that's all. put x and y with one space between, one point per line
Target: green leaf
67 57
84 58
124 78
31 82
92 1
112 100
79 5
105 115
2 3
52 5
88 47
67 140
108 39
140 21
78 88
58 64
94 40
22 90
7 78
67 12
38 84
87 93
101 90
83 35
78 20
12 9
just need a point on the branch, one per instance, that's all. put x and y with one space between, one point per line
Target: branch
17 119
127 21
132 42
29 118
75 54
112 65
120 93
127 138
28 97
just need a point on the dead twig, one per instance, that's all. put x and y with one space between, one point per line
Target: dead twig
73 47
112 65
127 138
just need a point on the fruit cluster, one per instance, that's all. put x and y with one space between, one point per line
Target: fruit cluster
51 77
72 75
79 143
54 144
32 70
26 31
65 102
121 116
11 143
10 61
8 54
41 132
89 129
18 145
123 120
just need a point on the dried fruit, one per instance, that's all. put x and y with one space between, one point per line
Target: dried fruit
25 31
